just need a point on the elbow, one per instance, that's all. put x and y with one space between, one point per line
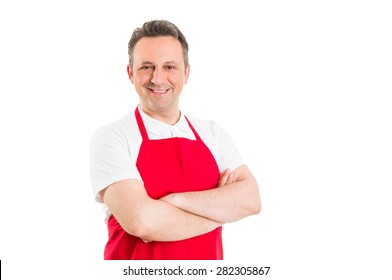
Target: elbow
254 201
256 207
138 228
140 223
142 231
248 209
253 208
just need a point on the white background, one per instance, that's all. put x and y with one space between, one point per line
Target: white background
304 87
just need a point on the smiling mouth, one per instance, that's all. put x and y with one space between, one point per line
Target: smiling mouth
159 91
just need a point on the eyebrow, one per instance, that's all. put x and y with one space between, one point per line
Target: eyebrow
166 62
146 62
171 62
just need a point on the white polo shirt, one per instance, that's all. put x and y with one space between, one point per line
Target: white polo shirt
114 148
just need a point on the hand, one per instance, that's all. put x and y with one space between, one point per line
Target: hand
225 178
145 241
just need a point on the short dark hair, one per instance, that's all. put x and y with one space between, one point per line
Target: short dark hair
157 28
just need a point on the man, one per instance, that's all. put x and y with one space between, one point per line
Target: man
168 182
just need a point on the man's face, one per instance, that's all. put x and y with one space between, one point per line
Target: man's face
158 73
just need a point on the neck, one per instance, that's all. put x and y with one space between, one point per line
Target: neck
169 117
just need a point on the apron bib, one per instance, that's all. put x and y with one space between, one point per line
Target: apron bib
169 166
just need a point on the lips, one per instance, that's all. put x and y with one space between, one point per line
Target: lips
159 91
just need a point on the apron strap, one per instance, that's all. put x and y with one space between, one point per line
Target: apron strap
193 130
140 123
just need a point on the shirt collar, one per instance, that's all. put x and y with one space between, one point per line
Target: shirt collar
158 128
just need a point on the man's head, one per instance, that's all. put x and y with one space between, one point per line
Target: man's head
156 28
158 68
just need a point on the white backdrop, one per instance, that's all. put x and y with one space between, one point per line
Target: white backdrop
304 87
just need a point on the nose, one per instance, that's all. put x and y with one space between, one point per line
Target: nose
158 76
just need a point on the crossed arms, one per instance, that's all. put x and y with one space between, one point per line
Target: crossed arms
180 216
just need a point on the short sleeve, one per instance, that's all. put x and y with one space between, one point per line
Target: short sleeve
228 154
110 160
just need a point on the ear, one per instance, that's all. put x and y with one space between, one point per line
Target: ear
130 73
187 70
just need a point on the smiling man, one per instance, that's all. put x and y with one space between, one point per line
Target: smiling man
159 73
168 182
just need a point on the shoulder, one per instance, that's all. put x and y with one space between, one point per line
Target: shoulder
120 130
212 133
203 126
220 143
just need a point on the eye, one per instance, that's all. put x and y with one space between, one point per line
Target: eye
147 67
170 67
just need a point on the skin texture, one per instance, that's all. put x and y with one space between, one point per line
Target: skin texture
159 75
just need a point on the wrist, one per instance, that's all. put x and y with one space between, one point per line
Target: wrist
173 198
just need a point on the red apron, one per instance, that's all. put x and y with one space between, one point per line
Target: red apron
167 166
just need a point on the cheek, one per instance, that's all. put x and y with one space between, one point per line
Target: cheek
178 80
141 79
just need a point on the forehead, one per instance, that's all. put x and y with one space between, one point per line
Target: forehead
157 49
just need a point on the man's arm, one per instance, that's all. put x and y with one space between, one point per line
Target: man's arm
149 219
236 198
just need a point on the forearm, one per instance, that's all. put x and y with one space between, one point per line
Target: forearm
151 219
224 204
169 223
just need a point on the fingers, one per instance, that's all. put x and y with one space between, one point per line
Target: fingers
230 179
225 178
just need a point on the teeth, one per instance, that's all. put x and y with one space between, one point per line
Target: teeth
160 91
